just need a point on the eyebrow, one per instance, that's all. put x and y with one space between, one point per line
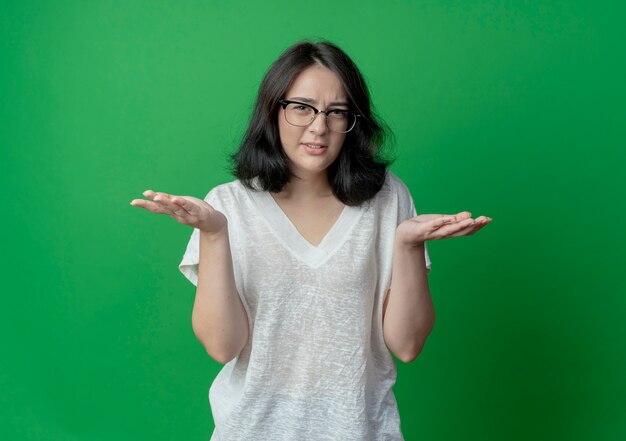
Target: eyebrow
312 101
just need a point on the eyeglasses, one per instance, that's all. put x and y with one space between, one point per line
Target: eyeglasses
301 115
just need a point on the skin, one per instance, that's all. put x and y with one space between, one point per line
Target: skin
323 87
408 313
187 210
308 200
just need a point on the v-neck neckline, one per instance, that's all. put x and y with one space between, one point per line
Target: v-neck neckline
285 230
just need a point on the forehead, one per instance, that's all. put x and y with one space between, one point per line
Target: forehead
318 83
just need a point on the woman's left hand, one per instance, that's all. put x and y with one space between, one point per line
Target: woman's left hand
419 229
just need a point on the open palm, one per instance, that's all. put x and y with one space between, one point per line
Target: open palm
187 210
440 226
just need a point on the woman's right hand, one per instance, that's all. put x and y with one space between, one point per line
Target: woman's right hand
185 209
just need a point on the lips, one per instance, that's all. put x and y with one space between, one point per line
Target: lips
315 149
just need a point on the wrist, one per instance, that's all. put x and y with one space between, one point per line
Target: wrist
405 239
212 236
409 243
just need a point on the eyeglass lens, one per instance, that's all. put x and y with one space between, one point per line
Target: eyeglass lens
337 121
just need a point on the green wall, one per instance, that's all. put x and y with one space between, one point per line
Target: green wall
510 109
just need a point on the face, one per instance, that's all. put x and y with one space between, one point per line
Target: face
321 88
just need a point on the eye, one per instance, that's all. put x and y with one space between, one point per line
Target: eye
299 108
339 114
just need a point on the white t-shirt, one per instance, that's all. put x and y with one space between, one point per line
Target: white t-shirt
316 366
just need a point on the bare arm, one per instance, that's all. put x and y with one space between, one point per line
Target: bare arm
408 312
219 319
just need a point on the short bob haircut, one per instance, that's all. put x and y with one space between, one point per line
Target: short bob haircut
359 171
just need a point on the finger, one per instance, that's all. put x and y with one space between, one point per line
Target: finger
429 217
483 220
177 205
148 205
150 194
156 195
467 231
442 221
480 223
454 219
159 195
164 201
463 215
447 230
162 198
186 206
151 206
162 204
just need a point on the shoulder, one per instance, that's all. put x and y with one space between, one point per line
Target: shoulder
399 197
392 180
396 188
225 193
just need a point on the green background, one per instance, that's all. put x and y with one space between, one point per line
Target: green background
510 109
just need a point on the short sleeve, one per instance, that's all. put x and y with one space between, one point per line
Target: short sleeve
191 257
406 210
189 265
426 256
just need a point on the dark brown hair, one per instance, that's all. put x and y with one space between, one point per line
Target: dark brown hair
359 171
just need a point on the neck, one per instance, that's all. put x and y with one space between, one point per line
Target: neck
307 186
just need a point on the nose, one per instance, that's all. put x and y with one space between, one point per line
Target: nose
319 124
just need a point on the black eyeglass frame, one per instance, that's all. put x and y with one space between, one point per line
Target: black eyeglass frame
285 103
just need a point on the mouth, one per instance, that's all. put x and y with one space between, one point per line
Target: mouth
315 149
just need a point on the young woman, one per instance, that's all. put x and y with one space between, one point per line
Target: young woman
310 267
